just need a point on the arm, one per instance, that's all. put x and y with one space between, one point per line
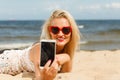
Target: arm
67 67
48 72
64 60
35 58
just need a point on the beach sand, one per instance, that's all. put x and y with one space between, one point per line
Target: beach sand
87 65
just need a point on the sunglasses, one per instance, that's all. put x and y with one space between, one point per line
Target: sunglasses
65 30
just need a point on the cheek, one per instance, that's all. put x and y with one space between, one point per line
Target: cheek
68 37
52 36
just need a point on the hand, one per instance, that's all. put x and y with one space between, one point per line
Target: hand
50 72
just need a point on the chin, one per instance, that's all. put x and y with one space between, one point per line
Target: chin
61 43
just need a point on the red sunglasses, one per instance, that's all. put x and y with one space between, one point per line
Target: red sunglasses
65 30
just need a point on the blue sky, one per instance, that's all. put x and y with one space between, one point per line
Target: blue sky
41 9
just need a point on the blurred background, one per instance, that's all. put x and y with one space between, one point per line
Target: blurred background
98 22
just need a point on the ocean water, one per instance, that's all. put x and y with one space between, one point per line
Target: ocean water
95 34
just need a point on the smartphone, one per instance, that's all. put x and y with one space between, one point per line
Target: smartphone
48 51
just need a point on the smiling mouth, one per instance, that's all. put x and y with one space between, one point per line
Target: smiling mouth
60 39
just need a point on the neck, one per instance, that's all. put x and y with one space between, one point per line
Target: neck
59 49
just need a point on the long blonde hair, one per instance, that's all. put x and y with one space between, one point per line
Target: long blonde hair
75 36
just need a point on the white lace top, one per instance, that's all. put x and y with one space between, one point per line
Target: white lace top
15 61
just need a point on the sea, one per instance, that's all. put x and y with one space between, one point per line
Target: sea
95 34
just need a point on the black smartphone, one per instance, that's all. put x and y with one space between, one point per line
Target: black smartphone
48 51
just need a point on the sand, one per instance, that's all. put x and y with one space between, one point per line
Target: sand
87 65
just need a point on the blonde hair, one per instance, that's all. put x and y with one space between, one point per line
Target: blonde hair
75 37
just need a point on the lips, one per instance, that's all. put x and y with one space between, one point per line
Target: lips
60 39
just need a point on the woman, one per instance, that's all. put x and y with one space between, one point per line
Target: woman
60 27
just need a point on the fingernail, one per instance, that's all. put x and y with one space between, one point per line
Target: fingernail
49 60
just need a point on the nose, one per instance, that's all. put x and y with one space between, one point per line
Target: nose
60 33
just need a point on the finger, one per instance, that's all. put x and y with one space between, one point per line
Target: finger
52 72
54 64
47 65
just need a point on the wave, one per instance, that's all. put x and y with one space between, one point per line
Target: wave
15 45
100 42
17 27
83 42
80 26
100 45
110 31
115 30
8 27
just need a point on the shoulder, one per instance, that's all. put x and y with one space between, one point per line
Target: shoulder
34 51
35 47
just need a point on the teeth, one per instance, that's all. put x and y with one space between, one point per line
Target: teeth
60 38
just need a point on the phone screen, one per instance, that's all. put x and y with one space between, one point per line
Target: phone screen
48 48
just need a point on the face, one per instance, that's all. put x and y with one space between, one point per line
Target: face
60 30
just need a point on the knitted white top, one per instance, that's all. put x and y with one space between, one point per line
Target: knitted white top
15 61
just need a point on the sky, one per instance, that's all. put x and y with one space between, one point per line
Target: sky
41 9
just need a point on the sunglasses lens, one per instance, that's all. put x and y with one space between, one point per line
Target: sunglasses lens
66 30
55 30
